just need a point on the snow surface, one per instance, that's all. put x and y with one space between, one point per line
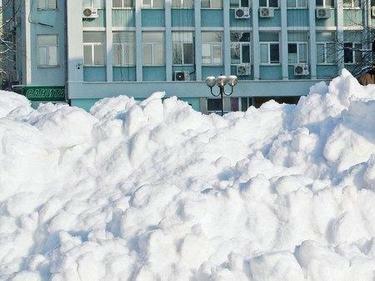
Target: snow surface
153 190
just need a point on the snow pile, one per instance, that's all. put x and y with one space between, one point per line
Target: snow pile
153 190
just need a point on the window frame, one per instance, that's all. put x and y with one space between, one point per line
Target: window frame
45 3
325 53
298 7
47 47
211 8
181 44
153 57
129 46
352 6
92 45
182 5
212 57
354 52
269 43
152 6
239 5
123 7
241 44
325 5
268 4
298 43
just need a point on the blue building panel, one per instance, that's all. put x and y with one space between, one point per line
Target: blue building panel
274 21
183 17
153 18
154 73
270 72
124 73
298 17
212 18
212 71
326 71
94 74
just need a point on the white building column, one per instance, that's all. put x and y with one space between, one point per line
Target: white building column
198 40
26 79
255 38
138 40
284 40
74 41
340 32
312 39
168 39
109 39
227 59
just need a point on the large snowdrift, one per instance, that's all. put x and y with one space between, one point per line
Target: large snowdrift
153 190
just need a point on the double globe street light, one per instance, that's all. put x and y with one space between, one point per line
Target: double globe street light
221 82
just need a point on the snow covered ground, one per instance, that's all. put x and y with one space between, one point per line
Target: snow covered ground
153 190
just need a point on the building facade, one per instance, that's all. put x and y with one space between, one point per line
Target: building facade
85 50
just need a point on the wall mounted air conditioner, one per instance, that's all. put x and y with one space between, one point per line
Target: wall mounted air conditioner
181 76
323 13
242 13
373 11
301 69
90 13
243 70
266 12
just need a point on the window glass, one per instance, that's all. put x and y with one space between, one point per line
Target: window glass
264 53
348 52
98 4
94 47
246 53
213 4
274 53
235 54
123 3
274 3
214 105
331 52
292 53
178 4
320 50
47 50
212 47
87 55
183 47
153 48
302 48
188 53
123 48
47 4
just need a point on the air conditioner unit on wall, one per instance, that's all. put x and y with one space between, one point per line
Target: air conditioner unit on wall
373 11
301 69
181 76
90 13
266 12
323 13
243 70
242 13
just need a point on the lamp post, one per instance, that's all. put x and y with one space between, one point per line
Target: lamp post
221 82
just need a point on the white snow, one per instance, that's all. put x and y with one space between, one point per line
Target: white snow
153 190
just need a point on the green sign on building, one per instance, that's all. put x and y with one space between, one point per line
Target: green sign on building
44 93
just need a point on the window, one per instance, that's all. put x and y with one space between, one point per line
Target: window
153 48
93 48
123 48
123 3
352 52
212 4
212 48
298 4
153 4
325 3
47 50
326 53
182 4
269 48
269 3
214 105
98 4
297 52
47 5
240 48
183 48
352 3
239 3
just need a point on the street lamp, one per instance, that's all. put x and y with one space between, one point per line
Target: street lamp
221 81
